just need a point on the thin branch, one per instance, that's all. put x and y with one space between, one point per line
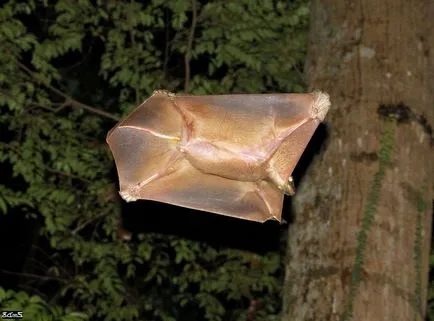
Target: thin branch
89 220
65 104
68 99
50 257
181 33
32 289
136 67
84 57
167 44
69 175
189 46
34 276
136 60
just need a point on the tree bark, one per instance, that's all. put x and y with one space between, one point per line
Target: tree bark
358 248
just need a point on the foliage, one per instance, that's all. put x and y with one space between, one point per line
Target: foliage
55 56
34 308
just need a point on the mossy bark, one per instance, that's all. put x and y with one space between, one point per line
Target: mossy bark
358 248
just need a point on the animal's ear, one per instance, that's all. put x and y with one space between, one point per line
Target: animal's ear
227 154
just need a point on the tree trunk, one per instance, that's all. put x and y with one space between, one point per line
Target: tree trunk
359 245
